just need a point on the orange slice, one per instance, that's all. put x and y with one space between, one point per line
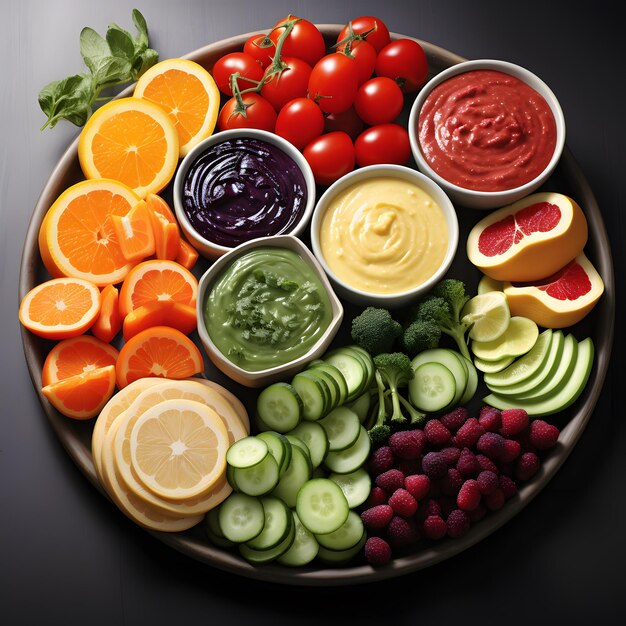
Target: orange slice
166 238
187 255
156 204
160 313
108 322
77 238
60 308
77 355
157 281
130 140
135 233
82 396
158 351
187 93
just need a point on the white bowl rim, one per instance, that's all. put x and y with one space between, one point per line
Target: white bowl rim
518 71
224 135
397 171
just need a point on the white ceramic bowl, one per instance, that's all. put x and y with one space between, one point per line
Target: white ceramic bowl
386 300
487 199
208 248
280 372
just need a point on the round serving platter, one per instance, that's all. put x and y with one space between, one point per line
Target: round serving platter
75 436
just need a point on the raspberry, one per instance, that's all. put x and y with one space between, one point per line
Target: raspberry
402 532
382 459
487 481
390 480
511 450
468 434
527 466
434 527
377 496
417 485
377 551
407 444
403 503
507 486
469 495
543 435
478 513
514 421
410 466
458 523
433 507
490 419
495 500
436 433
450 455
451 483
455 419
491 445
377 517
468 464
434 466
486 463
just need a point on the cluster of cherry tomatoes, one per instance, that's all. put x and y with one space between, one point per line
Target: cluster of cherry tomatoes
339 107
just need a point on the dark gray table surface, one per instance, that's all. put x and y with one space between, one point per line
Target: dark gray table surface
67 556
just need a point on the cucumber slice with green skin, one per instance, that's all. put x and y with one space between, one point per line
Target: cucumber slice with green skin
247 452
241 517
526 366
315 439
432 388
213 530
331 385
259 479
280 407
557 401
303 549
266 556
352 458
356 486
296 442
342 428
472 381
452 361
367 360
361 406
555 351
278 522
492 367
230 477
297 474
321 506
314 396
336 557
332 371
346 536
353 369
279 447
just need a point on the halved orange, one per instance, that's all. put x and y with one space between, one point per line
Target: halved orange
187 93
135 233
187 255
60 308
76 355
157 280
158 351
82 396
108 323
77 238
160 313
131 140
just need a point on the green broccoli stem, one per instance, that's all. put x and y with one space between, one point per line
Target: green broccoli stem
397 418
417 418
382 414
458 334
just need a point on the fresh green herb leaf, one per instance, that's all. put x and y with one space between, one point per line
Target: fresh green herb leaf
68 99
142 28
93 48
121 43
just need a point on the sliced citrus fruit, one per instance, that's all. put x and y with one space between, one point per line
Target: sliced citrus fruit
135 233
166 238
236 403
60 308
108 323
131 140
178 448
158 352
156 204
489 315
82 396
187 254
486 284
160 313
76 355
157 281
76 237
519 337
187 93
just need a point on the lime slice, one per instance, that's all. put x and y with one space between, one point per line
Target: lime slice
491 367
487 284
489 315
518 339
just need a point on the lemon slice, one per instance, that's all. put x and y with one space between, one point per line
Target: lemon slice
517 339
178 448
488 314
487 283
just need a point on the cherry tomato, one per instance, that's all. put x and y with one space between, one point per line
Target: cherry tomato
385 143
292 83
300 121
379 37
364 56
259 114
305 41
261 47
347 121
379 101
403 60
333 83
240 62
330 156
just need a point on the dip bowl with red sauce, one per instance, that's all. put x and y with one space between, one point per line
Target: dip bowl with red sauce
488 132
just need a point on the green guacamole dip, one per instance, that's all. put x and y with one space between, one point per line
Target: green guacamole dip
266 309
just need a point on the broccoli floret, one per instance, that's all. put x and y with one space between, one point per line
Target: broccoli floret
380 431
395 371
454 293
422 334
375 330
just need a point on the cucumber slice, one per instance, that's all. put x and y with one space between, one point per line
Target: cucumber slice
241 517
367 359
279 447
336 557
246 452
433 387
472 381
352 458
314 395
332 371
315 439
519 337
491 367
278 521
361 406
346 536
321 506
297 474
296 442
303 549
259 479
452 361
266 556
353 368
331 385
356 486
342 428
213 530
230 477
279 407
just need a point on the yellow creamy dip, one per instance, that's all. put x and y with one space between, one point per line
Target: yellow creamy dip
384 236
